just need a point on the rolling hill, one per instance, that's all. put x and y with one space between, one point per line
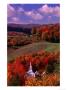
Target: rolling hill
34 47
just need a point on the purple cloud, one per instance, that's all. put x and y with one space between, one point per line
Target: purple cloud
10 11
20 9
34 15
45 9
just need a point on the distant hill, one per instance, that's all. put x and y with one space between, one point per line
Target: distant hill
23 25
25 28
29 26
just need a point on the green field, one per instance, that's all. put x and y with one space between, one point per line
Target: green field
34 47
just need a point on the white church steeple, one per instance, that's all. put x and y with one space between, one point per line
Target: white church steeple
30 71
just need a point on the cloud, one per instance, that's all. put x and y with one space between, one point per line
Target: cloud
49 17
45 9
20 9
15 20
34 15
57 11
10 10
44 13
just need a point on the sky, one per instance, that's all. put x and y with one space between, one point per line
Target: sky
33 13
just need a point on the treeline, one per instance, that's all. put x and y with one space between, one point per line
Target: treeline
19 29
48 33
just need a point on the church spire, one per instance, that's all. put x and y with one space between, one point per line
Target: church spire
30 71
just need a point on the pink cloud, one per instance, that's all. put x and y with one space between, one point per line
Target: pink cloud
15 20
34 15
20 9
45 9
10 10
49 17
57 11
